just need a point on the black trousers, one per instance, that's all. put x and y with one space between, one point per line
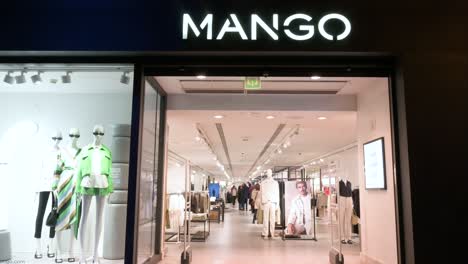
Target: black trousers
43 199
234 200
254 211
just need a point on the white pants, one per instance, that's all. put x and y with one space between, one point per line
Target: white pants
345 205
269 218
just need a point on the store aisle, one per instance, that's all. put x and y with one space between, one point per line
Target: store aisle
237 240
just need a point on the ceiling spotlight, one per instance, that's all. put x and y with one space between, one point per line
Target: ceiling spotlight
280 151
321 118
20 78
36 79
270 117
218 116
66 78
197 138
125 79
8 78
201 77
321 160
315 77
267 161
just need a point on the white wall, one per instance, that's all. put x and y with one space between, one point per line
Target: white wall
49 112
347 165
378 224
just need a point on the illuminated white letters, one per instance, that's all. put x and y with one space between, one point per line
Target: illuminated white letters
256 20
308 28
304 31
207 22
237 28
343 19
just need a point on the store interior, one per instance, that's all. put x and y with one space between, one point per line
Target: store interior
296 137
53 117
297 143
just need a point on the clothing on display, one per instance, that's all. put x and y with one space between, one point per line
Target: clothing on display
345 207
200 202
357 208
176 205
214 190
95 162
64 185
43 199
270 202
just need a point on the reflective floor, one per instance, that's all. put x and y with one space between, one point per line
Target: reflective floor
238 241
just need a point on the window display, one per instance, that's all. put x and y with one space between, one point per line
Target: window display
40 152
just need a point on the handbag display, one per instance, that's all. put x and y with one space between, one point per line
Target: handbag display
354 218
53 215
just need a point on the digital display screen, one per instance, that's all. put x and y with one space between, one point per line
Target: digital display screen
374 164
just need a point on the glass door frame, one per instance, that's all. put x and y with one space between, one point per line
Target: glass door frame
131 245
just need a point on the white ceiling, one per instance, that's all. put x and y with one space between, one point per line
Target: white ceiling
340 85
315 136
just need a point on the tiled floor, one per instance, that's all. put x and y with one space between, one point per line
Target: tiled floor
238 241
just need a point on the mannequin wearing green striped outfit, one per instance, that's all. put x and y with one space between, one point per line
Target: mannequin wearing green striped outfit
64 188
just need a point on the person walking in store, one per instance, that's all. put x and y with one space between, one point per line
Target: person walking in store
233 195
240 197
250 188
256 201
245 189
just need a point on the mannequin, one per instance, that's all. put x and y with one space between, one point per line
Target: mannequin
270 201
64 188
345 206
49 163
93 179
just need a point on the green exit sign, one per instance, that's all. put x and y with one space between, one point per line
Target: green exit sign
252 83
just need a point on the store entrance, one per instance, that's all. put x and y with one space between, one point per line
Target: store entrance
286 169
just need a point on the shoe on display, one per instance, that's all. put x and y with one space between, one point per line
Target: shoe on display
343 241
50 255
37 255
58 260
71 260
350 242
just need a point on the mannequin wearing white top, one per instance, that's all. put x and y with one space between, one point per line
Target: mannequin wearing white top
98 133
45 189
270 200
69 154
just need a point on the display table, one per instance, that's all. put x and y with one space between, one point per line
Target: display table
198 235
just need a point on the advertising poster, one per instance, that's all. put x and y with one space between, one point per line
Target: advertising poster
298 210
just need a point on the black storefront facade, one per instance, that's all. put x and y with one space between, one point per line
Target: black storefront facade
423 49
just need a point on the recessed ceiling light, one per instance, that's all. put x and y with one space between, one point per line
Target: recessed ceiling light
197 138
218 116
321 118
201 76
270 117
315 77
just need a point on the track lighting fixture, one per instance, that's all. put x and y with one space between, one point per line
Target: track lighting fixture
36 78
66 78
8 78
21 78
124 78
